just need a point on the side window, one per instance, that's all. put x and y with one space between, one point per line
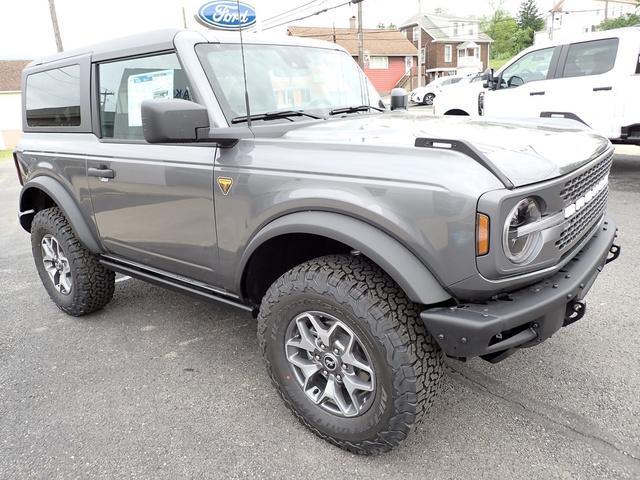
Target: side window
530 68
53 98
123 85
591 58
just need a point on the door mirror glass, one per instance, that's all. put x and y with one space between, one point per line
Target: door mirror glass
173 121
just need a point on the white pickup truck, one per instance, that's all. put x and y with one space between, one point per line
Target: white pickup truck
593 79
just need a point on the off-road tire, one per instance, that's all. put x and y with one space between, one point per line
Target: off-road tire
92 284
409 364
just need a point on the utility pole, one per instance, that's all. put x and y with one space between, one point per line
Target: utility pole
54 21
420 44
360 35
184 18
606 9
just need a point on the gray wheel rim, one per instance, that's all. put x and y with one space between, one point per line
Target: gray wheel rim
330 364
56 264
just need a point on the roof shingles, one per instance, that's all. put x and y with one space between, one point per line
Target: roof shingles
376 41
10 71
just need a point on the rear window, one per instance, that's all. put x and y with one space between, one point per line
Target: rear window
638 64
591 58
53 97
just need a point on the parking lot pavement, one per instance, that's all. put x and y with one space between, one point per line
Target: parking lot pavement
158 385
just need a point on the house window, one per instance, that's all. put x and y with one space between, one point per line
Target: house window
423 55
455 29
416 33
448 53
378 63
477 53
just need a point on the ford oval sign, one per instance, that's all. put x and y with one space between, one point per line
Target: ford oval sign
227 14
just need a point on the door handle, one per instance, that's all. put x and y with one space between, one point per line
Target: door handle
101 173
536 93
602 89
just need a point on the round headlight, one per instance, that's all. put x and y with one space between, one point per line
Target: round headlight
521 247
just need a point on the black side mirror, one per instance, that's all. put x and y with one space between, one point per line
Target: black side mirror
173 121
489 79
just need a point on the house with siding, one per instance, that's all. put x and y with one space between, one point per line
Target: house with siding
388 55
449 45
10 102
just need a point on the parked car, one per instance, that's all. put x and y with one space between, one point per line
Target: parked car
368 243
593 79
425 95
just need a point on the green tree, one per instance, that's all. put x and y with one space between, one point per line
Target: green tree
529 16
503 29
628 20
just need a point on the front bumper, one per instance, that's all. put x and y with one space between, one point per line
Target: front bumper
526 317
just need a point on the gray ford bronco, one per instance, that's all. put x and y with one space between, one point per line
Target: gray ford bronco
266 175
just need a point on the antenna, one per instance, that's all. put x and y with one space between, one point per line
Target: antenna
244 71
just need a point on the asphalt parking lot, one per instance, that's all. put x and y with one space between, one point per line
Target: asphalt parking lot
158 385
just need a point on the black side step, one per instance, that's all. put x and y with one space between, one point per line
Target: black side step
179 284
468 150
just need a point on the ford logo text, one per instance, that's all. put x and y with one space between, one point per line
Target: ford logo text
227 14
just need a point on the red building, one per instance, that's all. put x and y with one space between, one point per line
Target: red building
388 56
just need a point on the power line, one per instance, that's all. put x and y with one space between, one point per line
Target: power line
287 12
308 16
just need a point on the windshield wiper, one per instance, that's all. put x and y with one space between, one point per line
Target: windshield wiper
357 108
275 115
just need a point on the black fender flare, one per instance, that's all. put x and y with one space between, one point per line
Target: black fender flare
389 254
65 201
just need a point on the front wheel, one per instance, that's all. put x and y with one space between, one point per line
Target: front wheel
428 99
348 353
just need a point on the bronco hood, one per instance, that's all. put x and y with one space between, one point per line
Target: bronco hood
525 151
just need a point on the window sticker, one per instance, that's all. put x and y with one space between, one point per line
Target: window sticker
147 86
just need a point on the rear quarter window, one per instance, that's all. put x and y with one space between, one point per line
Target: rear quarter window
53 97
591 58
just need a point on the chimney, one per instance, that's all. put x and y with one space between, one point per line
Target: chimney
352 23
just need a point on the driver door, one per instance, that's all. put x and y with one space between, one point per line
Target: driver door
522 86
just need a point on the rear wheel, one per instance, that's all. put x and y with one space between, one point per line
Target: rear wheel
428 99
73 277
348 353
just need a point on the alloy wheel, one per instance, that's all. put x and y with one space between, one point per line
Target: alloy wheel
56 264
330 363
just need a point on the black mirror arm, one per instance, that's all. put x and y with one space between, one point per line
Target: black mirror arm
225 137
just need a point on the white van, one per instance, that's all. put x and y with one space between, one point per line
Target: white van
593 78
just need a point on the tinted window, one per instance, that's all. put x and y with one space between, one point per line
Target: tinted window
533 66
591 58
123 85
53 98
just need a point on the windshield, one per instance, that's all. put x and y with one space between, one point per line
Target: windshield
283 77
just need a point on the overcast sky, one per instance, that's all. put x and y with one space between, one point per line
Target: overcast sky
26 32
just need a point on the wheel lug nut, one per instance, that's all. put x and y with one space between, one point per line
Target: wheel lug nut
344 366
317 357
324 372
323 346
336 351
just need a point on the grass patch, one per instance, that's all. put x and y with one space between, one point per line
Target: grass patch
496 63
5 155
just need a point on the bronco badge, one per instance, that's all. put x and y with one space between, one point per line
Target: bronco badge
225 184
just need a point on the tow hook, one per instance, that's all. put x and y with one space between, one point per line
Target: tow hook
615 253
575 311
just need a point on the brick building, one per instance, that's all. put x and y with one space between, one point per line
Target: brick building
450 45
389 56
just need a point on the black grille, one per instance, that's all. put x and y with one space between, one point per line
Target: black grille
578 186
581 221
